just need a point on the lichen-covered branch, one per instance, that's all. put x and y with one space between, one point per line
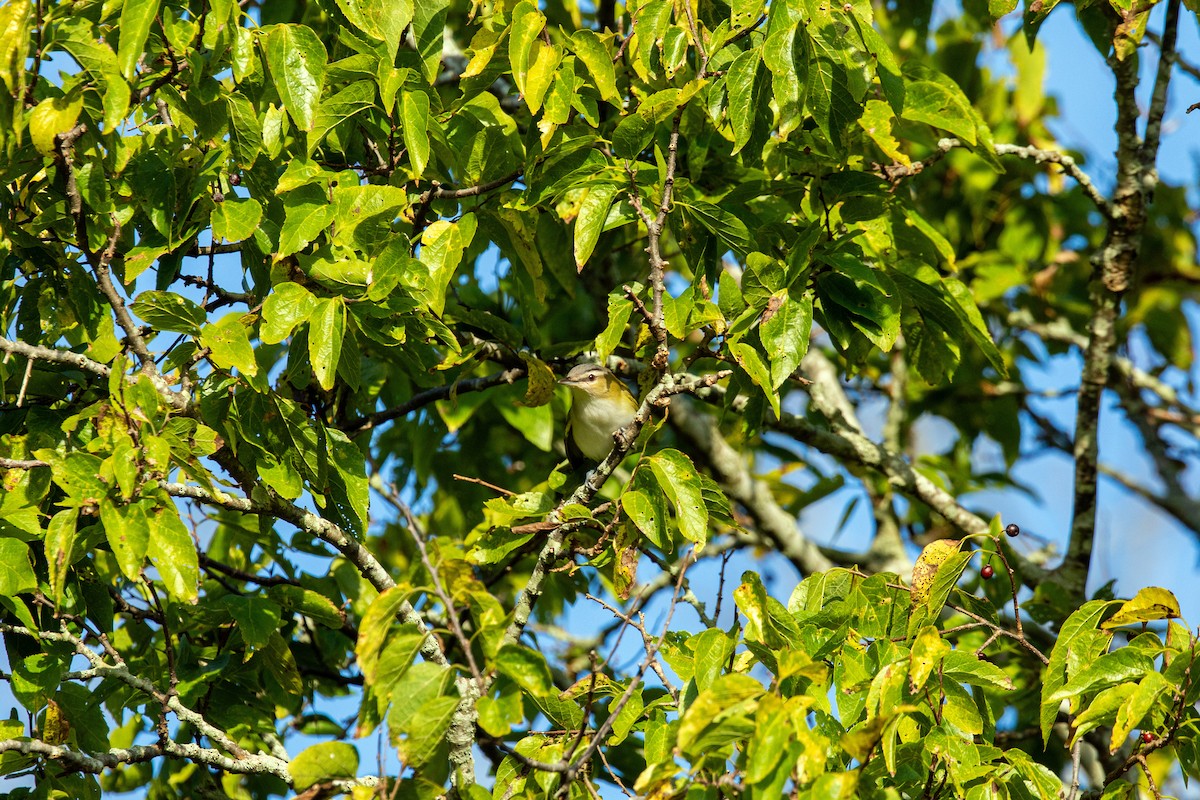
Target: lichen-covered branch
1113 268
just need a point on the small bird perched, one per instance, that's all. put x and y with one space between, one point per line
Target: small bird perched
600 406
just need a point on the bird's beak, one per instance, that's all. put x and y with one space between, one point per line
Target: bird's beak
566 382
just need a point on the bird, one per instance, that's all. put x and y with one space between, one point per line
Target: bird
600 406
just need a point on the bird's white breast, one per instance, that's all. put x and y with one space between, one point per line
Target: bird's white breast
595 424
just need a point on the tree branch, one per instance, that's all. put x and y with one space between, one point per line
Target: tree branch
55 356
856 448
65 154
1113 268
362 558
655 226
422 399
730 470
894 172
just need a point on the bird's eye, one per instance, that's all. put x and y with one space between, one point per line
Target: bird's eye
591 377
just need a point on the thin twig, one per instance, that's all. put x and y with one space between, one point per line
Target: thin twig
422 399
482 482
452 617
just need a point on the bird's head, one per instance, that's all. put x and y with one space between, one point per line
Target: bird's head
593 380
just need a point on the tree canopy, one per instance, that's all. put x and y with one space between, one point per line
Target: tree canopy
285 290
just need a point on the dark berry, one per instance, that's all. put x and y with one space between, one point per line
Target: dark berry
1013 529
235 179
1147 737
987 572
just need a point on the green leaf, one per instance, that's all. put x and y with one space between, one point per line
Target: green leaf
712 649
288 305
648 513
350 493
536 424
869 295
1133 711
442 246
229 345
323 762
964 667
1106 670
78 37
829 98
598 60
887 68
428 32
785 55
128 535
719 715
631 136
326 329
422 731
346 104
526 668
383 21
60 552
257 618
307 213
619 309
311 604
236 219
173 553
245 131
742 81
16 571
680 482
1083 621
376 623
414 111
136 18
942 106
784 330
725 225
296 58
651 22
749 359
527 23
968 310
168 311
593 213
1001 8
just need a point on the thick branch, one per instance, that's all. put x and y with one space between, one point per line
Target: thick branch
855 448
362 558
1113 271
40 353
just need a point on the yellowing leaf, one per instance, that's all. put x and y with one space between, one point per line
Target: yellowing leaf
932 556
541 381
53 116
229 345
1149 604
